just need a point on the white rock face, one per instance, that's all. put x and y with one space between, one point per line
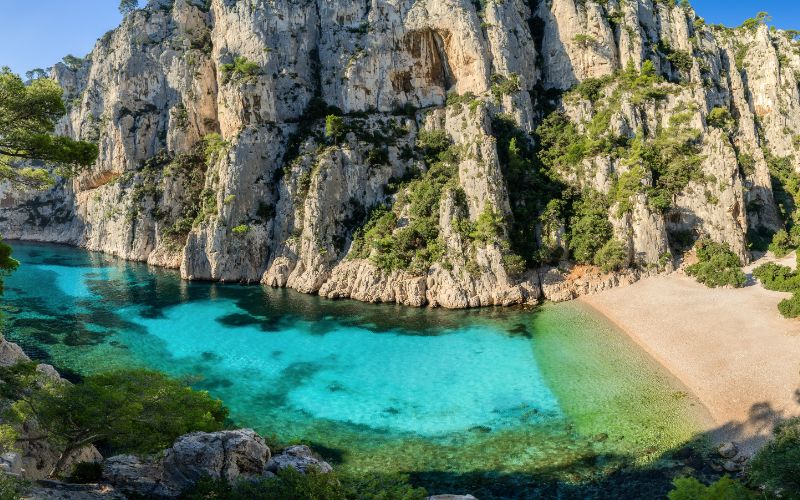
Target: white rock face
276 201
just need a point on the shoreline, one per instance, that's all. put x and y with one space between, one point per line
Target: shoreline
730 347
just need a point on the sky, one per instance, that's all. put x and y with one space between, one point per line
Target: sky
38 33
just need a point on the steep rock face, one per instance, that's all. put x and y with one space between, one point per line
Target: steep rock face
465 136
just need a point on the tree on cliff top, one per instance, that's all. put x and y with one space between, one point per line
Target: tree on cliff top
128 6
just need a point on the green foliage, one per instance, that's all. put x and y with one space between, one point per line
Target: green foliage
721 118
128 6
747 164
753 23
591 88
785 184
589 229
214 148
11 488
584 40
681 59
613 256
415 246
432 143
241 229
777 278
28 114
131 411
689 488
513 264
717 265
672 158
7 263
781 244
504 85
781 279
534 192
72 62
489 226
790 308
292 485
777 465
642 84
562 146
241 70
335 127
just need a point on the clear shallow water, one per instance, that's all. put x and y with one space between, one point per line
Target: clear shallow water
554 392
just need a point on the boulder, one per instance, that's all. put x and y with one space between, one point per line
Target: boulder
11 463
731 466
133 475
299 457
11 353
224 455
728 450
228 455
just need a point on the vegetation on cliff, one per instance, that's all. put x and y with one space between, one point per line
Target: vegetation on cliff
717 265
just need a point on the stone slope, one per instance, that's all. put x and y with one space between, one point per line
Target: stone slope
215 156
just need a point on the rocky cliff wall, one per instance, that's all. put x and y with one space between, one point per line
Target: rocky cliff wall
464 138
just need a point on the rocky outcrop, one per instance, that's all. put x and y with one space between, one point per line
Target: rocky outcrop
299 457
229 456
215 157
36 458
224 455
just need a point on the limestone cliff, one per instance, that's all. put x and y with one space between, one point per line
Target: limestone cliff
426 152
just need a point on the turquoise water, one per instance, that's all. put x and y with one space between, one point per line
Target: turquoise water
382 388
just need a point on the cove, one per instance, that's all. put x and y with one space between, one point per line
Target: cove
453 397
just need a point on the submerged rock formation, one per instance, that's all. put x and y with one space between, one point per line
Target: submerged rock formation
452 153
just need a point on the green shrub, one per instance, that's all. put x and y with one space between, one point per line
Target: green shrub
781 244
292 485
777 465
681 59
489 226
612 257
717 266
504 85
432 143
335 127
591 88
720 118
240 70
689 488
513 264
417 245
790 308
241 229
11 488
753 23
130 411
777 278
584 40
589 227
